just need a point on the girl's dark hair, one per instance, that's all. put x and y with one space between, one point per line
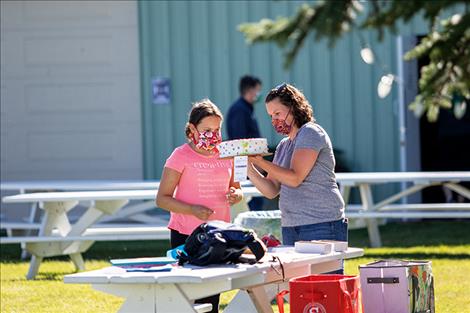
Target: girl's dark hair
294 99
200 110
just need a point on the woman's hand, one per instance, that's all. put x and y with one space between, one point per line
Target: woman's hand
201 212
234 195
255 159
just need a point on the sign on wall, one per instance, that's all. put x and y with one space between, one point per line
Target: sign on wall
161 92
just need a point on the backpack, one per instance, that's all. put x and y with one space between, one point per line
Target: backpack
218 242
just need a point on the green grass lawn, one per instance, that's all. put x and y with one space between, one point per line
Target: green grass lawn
445 243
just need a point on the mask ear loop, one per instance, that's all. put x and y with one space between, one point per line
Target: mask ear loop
292 122
193 138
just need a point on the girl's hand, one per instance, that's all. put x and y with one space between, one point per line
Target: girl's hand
201 212
234 195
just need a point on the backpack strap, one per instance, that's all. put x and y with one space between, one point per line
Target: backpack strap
258 248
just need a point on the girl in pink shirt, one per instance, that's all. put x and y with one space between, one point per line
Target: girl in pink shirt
197 186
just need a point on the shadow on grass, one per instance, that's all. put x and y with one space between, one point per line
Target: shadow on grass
127 249
58 276
397 234
418 256
99 251
410 234
44 275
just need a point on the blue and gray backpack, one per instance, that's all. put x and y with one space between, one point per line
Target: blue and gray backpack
218 242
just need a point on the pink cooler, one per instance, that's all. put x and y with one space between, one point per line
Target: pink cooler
395 286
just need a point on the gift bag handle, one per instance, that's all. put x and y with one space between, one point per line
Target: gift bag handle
348 297
280 300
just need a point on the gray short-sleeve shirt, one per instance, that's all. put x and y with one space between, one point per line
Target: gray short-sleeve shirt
317 199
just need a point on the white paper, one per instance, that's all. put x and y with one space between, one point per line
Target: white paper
240 164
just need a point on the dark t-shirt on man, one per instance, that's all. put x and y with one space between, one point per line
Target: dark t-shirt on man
241 122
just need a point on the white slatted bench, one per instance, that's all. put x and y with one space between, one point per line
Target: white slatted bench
408 214
126 233
415 210
9 227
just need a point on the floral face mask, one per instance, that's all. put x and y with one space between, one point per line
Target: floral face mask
208 140
281 127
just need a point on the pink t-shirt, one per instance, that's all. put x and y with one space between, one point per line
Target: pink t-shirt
205 180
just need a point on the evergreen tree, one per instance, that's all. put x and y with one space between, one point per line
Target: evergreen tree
444 82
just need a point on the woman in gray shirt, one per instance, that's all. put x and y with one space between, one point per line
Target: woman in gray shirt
302 171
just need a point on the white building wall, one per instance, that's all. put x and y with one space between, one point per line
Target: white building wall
70 100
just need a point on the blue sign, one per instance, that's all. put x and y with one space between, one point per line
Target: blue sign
161 92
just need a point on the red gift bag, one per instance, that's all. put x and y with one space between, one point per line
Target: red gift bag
326 293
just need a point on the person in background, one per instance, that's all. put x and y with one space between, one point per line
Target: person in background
302 172
197 186
241 121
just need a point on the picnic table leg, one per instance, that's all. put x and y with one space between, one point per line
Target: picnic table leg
345 192
252 300
461 190
34 266
55 216
92 215
138 297
372 227
135 212
32 218
77 260
148 298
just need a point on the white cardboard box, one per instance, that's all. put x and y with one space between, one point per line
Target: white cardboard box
313 246
338 246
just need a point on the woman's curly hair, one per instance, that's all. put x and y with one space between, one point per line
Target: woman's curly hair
295 100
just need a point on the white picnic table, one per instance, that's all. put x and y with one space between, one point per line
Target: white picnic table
416 181
134 212
176 290
77 185
371 211
110 202
73 239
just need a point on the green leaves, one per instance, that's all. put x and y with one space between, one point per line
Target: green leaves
448 73
447 45
324 19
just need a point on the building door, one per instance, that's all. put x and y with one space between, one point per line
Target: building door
433 146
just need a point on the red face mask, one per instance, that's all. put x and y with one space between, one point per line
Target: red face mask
281 127
207 140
